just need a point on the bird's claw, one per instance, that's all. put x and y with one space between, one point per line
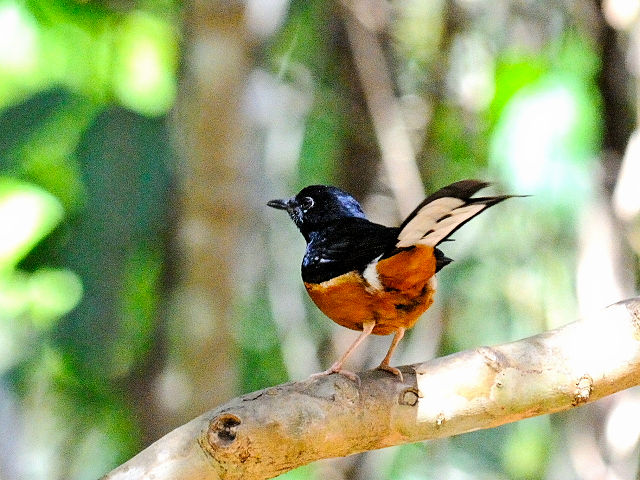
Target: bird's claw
336 369
390 369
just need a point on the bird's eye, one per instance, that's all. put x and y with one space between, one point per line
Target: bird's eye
306 203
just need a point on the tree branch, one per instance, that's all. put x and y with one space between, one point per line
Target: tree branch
266 433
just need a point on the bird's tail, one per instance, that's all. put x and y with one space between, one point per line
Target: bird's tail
443 212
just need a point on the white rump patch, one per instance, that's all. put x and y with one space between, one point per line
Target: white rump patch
424 228
370 274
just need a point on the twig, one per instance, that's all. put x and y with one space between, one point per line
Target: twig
266 433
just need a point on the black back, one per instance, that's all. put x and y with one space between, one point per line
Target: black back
345 245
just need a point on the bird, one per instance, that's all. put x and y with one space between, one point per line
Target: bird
370 277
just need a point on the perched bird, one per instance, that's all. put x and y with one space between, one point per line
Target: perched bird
369 277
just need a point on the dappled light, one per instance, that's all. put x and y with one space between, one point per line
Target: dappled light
26 214
18 40
146 59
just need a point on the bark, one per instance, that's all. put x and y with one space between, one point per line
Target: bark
266 433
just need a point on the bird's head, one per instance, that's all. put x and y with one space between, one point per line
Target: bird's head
318 205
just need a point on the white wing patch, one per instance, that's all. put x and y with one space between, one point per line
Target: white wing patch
370 274
436 220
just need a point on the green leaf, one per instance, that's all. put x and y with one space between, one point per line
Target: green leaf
547 137
145 64
52 293
141 283
304 40
514 71
27 214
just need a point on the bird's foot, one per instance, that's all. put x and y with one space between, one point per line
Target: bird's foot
390 369
336 368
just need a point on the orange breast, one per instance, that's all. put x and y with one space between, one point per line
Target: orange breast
408 285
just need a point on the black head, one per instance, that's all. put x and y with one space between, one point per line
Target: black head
318 205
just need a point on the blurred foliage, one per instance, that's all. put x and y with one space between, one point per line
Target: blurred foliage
105 55
302 54
258 340
83 187
86 159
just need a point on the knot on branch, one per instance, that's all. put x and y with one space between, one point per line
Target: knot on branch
583 390
634 310
223 430
410 397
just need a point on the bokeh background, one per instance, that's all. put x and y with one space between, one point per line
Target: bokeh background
143 280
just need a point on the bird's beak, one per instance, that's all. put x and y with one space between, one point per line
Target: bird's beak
280 204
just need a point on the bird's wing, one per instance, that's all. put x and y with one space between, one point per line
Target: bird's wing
345 246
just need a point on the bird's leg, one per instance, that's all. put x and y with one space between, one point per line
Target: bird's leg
367 328
384 365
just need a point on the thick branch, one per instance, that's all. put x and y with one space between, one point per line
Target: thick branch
265 433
